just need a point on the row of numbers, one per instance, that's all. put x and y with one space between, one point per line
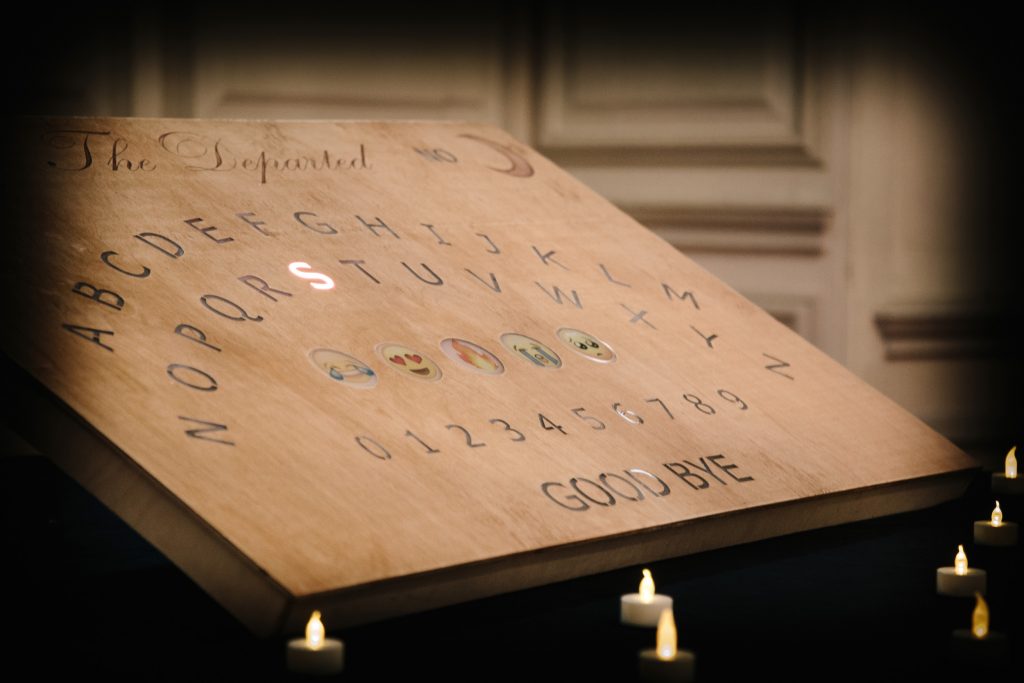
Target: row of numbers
377 450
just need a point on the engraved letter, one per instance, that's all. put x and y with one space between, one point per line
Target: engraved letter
103 296
208 230
778 366
669 292
547 258
208 300
358 263
105 257
580 507
322 228
558 294
261 286
147 236
176 370
256 224
727 467
609 499
195 334
494 281
665 490
198 432
435 278
440 240
372 227
610 278
684 473
92 336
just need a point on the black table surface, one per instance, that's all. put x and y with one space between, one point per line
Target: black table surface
86 595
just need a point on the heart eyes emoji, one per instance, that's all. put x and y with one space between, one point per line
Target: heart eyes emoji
406 360
400 360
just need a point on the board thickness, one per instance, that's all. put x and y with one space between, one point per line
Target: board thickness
377 367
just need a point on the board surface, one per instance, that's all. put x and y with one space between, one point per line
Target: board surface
377 366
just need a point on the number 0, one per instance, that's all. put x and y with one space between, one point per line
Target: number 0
377 451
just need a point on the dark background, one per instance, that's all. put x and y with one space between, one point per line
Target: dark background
85 594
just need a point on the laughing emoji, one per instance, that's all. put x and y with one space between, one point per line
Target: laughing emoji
405 360
343 368
586 345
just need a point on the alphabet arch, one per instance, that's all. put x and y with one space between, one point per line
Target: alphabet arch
238 335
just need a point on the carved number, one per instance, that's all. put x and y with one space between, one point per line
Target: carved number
627 415
663 406
377 451
733 398
594 422
430 450
469 437
548 424
699 404
519 436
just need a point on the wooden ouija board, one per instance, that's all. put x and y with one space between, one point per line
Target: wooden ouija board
375 367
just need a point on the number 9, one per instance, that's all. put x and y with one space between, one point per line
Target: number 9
733 398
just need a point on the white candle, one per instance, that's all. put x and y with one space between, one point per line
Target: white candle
1007 481
316 654
960 580
643 608
665 662
979 643
995 531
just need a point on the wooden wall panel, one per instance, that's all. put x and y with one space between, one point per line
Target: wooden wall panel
922 324
416 64
630 78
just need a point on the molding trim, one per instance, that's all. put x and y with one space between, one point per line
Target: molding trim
730 229
768 153
938 334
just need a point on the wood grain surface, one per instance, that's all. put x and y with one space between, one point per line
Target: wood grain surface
291 445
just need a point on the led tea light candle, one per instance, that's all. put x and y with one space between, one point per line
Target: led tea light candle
665 662
643 608
979 642
316 654
1007 481
995 531
960 580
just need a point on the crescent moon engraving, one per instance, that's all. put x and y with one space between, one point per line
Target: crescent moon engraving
520 167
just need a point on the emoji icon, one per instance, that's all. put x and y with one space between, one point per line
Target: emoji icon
587 345
404 359
473 356
531 349
344 368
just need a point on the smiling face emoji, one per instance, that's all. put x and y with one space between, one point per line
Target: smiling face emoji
587 345
410 362
343 368
531 349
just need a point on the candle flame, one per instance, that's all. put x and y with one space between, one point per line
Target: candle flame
315 631
666 637
997 515
1011 464
960 563
647 587
979 620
